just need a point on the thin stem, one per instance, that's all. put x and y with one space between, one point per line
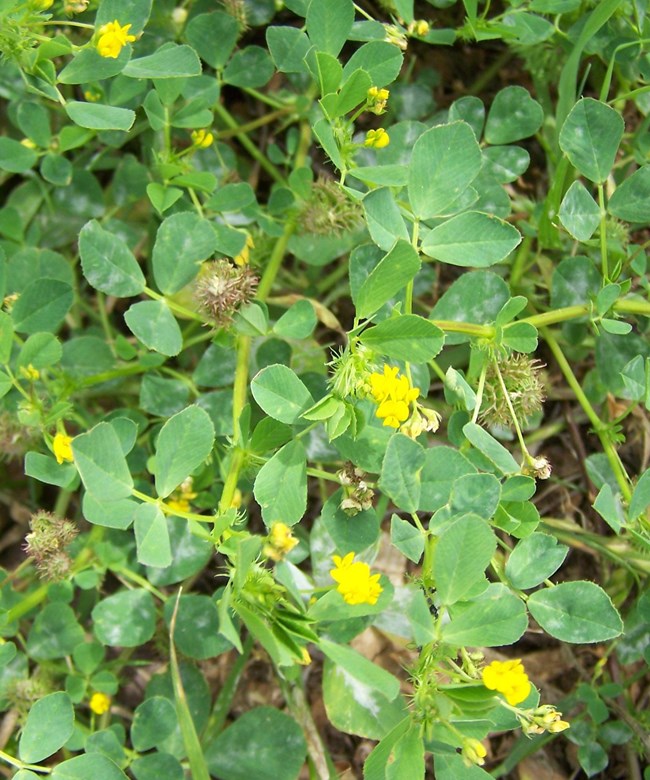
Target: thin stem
250 147
21 765
600 428
479 392
511 409
181 310
603 233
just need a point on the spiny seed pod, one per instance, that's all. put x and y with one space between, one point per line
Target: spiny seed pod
525 389
46 544
330 210
223 287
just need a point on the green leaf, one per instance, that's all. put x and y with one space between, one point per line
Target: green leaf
401 472
405 337
384 219
288 47
608 506
46 469
170 61
496 617
298 322
280 393
125 619
471 239
14 157
534 560
204 29
329 23
407 538
520 336
640 500
361 669
153 766
196 633
491 448
155 326
263 743
443 466
6 336
153 721
162 197
578 612
152 537
110 514
107 262
49 726
513 115
182 242
590 137
42 306
462 554
631 199
135 12
88 765
476 296
184 443
101 463
250 67
89 65
55 633
95 116
355 708
381 60
477 493
41 350
445 161
281 485
393 272
579 212
575 281
506 163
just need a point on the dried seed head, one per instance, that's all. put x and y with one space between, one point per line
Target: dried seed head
521 376
223 287
46 544
330 210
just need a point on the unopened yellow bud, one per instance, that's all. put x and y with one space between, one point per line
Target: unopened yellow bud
202 139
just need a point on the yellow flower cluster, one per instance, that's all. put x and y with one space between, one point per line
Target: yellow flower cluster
243 257
394 394
112 38
473 752
355 583
280 542
508 678
202 139
61 446
377 139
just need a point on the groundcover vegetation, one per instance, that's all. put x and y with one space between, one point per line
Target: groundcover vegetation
325 384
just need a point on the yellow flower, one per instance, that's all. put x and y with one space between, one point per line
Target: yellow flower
202 138
280 542
182 497
355 583
473 752
29 372
61 448
243 257
377 99
377 139
394 394
42 5
112 38
420 27
305 658
100 703
508 678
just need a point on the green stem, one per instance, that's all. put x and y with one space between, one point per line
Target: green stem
250 147
469 328
603 233
181 310
254 124
599 427
21 765
511 409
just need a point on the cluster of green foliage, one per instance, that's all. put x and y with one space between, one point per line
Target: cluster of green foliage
192 338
